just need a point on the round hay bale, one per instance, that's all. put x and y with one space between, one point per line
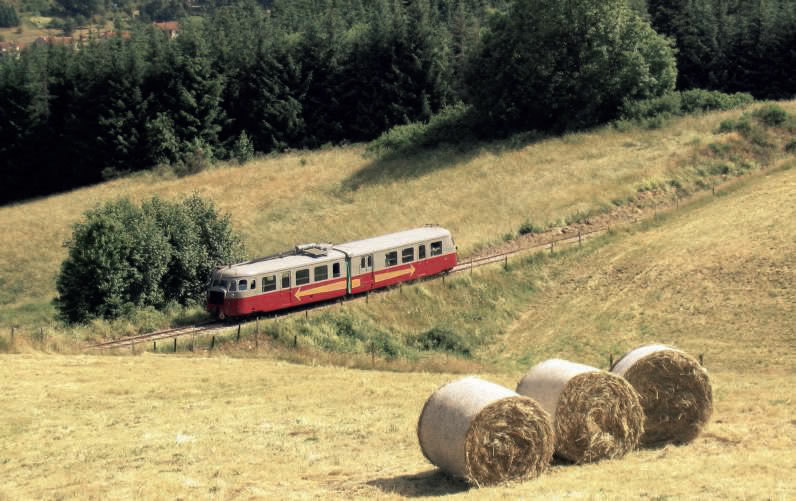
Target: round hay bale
485 433
596 415
674 389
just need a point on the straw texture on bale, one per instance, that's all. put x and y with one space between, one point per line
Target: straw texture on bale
674 389
596 415
485 433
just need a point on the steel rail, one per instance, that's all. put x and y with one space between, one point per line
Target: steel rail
161 334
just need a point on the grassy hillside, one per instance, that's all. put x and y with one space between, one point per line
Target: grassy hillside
338 194
714 277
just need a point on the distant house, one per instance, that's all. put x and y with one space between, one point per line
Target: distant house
170 28
10 49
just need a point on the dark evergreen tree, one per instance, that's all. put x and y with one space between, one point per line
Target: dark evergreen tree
8 16
731 45
122 113
85 8
552 65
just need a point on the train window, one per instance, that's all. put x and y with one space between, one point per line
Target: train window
408 255
321 273
269 283
391 258
242 285
370 261
233 286
362 262
286 280
302 277
421 251
253 285
223 283
436 248
335 270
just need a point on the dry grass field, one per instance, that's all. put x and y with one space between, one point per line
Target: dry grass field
715 278
160 427
338 194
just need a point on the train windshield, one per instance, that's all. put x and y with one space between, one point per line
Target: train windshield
220 283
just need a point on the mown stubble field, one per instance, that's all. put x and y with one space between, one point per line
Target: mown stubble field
164 427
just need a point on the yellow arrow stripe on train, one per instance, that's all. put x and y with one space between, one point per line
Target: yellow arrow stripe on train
381 277
336 286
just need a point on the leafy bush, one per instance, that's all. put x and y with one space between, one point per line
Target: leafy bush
741 125
453 125
700 100
441 338
197 157
668 104
771 115
529 227
243 149
122 257
680 103
791 147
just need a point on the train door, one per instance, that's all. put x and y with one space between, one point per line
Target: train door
366 266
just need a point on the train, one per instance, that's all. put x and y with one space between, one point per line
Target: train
316 272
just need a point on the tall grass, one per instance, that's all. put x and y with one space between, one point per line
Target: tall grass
338 194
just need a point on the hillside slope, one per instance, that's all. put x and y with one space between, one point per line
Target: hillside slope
338 194
715 278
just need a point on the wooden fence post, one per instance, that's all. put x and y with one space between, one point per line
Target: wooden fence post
175 345
212 343
610 361
701 360
154 346
579 242
237 338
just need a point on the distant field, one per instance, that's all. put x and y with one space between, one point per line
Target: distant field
714 278
338 194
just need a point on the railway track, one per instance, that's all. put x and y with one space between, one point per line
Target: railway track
214 326
537 247
200 328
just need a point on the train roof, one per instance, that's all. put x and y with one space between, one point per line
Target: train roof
392 240
286 261
308 255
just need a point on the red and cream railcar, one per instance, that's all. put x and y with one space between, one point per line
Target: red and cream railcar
319 272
